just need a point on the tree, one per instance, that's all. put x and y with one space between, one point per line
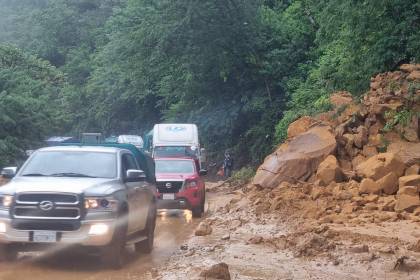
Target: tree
29 102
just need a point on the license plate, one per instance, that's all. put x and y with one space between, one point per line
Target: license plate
45 236
168 196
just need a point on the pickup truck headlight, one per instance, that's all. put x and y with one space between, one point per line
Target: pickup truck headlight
191 184
101 203
6 200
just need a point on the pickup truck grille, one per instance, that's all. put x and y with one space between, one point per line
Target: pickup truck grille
169 186
48 206
66 225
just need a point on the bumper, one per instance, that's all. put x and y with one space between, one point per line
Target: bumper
186 199
179 203
82 236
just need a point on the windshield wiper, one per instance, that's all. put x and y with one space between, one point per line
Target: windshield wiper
71 174
34 174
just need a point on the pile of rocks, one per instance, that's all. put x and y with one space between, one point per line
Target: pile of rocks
361 155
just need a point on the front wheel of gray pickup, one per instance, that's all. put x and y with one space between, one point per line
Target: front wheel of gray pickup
8 253
113 255
146 246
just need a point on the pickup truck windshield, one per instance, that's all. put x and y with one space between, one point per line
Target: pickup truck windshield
174 166
72 164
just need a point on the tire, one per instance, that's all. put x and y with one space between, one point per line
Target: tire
197 212
146 246
8 253
113 255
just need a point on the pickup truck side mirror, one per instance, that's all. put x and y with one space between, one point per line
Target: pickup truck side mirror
203 172
9 172
135 175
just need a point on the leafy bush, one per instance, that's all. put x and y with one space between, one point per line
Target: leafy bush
242 176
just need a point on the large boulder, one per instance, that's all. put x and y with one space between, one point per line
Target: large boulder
329 171
413 170
380 165
389 183
407 199
407 151
410 180
299 160
300 126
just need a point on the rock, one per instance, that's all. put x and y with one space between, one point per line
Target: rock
299 160
408 190
357 160
407 151
217 271
410 67
375 140
361 138
410 134
359 249
345 165
410 180
369 186
380 165
329 171
203 229
415 75
389 183
369 151
184 247
375 128
348 209
300 126
413 170
371 198
341 98
407 199
226 237
235 224
255 240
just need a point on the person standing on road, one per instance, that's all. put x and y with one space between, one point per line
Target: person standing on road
227 165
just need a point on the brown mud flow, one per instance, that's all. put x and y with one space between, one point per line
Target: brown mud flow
172 229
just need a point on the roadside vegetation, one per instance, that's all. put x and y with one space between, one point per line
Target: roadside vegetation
241 70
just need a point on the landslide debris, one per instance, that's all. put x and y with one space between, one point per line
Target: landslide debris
358 164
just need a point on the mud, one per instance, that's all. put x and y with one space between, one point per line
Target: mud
280 245
254 244
173 228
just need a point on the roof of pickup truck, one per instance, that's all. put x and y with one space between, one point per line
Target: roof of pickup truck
83 148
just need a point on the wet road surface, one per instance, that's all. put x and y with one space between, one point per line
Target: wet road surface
172 229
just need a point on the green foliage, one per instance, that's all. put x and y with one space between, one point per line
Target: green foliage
242 70
401 118
242 176
29 102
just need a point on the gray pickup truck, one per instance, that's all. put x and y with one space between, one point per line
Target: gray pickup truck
94 197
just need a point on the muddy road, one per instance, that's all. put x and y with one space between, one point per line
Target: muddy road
172 229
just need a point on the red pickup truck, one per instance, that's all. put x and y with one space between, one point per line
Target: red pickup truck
179 185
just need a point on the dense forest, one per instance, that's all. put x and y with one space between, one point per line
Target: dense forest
242 70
